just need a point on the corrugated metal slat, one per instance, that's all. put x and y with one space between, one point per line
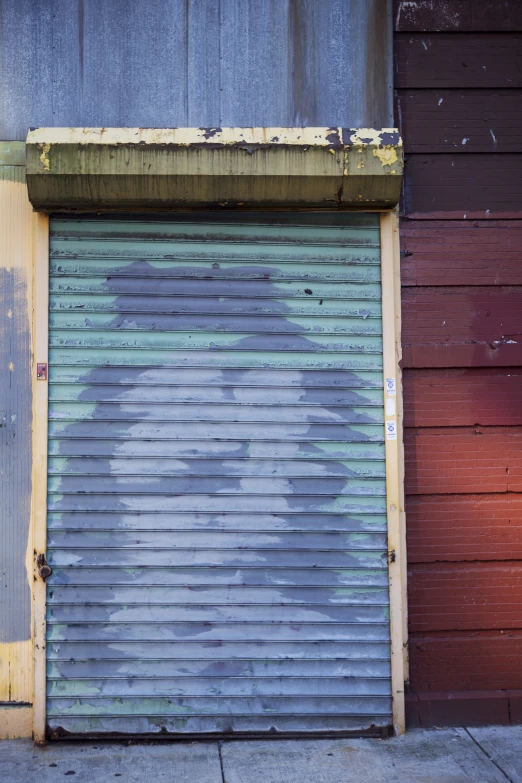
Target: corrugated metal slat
216 517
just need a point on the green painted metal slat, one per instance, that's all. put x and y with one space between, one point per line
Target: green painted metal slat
216 507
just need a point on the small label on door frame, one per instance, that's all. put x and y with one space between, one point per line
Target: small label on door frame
391 430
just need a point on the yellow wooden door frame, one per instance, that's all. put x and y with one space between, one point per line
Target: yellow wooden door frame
39 505
394 450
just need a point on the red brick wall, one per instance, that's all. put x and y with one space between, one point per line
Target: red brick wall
458 80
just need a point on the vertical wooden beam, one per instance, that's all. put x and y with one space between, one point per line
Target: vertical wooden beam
391 327
40 405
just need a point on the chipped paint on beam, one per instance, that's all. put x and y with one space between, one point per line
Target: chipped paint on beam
189 137
43 157
179 167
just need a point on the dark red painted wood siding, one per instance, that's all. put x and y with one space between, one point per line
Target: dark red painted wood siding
463 397
457 15
458 60
466 660
467 528
462 121
463 186
463 460
478 252
458 98
462 326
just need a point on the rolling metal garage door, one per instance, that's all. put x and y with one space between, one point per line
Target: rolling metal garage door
217 517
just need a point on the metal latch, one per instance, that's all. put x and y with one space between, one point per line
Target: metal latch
44 569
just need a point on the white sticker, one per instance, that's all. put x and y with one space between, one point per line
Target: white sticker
390 406
390 387
391 430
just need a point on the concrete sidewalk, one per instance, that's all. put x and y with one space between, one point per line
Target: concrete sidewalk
488 755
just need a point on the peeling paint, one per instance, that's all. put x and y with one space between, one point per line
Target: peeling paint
45 148
387 155
362 137
171 167
187 137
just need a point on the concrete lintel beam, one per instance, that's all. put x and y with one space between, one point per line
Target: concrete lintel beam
108 168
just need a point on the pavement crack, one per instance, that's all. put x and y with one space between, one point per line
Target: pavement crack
223 779
484 751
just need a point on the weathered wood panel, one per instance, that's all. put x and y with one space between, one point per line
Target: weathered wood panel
17 232
456 597
453 460
462 326
464 528
442 60
451 252
460 121
457 15
463 397
466 660
464 186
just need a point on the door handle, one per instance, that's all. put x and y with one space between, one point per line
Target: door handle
44 569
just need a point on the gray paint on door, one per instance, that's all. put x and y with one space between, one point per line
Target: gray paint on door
216 516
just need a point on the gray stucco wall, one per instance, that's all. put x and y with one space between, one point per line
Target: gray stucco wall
174 63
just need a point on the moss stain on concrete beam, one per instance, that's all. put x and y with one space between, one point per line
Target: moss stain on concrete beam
180 167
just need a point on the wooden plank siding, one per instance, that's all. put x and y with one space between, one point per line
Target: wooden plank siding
457 661
463 397
460 253
467 121
457 61
458 101
477 597
463 460
462 326
477 527
457 15
463 186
